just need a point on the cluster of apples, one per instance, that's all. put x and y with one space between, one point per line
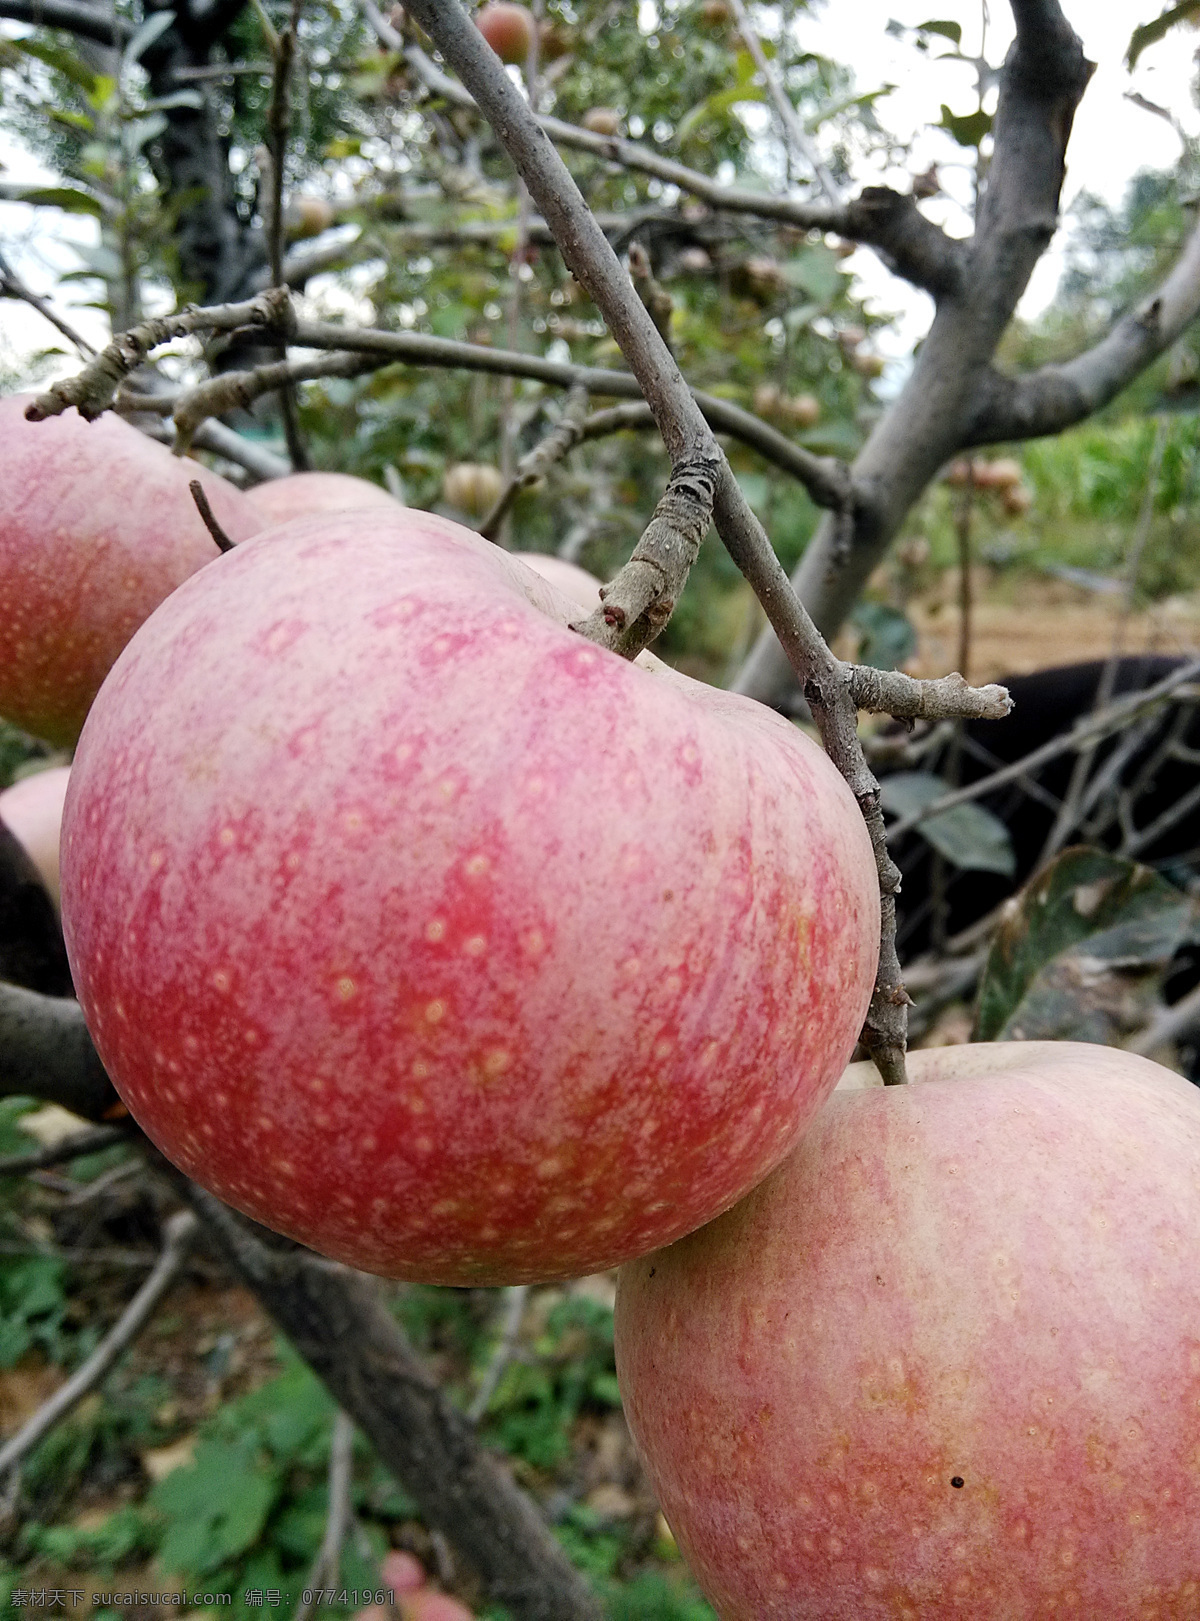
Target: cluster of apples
432 935
1001 477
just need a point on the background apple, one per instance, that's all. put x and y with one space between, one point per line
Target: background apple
298 495
945 1362
508 29
569 578
430 934
97 526
32 809
473 487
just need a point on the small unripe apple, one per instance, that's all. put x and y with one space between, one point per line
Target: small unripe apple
32 810
97 526
427 932
473 487
299 495
508 29
309 216
768 400
803 409
867 365
959 474
569 578
945 1361
602 121
1018 499
1004 472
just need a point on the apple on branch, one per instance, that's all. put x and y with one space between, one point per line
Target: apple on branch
508 29
945 1361
98 525
431 934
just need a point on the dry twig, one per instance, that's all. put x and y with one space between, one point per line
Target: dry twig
328 1563
180 1231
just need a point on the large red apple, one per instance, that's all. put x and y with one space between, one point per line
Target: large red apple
32 809
427 932
299 495
945 1361
97 526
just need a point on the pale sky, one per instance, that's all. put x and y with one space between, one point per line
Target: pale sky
1112 139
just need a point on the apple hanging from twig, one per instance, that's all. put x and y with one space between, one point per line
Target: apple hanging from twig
425 931
97 526
945 1361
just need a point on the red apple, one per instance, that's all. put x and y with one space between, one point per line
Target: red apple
569 578
32 810
945 1362
507 28
299 495
426 932
97 526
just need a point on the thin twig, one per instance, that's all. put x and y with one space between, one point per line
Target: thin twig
328 1563
221 539
566 433
180 1231
794 131
515 1298
1068 816
1168 1025
11 286
915 248
642 596
72 1147
91 390
283 48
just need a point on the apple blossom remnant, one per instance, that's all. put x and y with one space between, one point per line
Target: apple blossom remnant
439 938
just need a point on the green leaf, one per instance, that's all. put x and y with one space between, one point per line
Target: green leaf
57 57
888 637
1150 33
817 271
216 1508
64 197
968 129
967 835
948 30
1088 917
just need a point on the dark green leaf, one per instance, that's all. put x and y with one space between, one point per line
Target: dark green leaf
968 129
888 637
1088 917
216 1508
948 30
1150 33
967 835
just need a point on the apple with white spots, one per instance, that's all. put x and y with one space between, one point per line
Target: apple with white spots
97 526
422 930
945 1361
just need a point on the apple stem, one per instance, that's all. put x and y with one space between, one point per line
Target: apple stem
211 523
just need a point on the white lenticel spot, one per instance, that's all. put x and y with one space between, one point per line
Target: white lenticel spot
497 1062
346 988
156 860
475 946
435 930
474 866
226 836
547 1168
435 1012
220 979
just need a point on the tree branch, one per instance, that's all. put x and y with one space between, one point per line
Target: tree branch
73 16
922 253
1055 397
180 1232
1040 86
339 1324
46 1052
